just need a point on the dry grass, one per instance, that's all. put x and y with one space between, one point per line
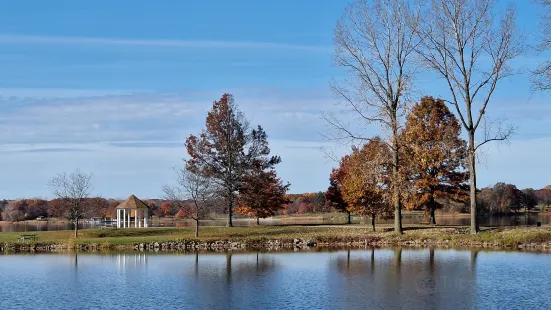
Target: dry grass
453 235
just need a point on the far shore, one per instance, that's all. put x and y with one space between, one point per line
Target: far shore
268 238
304 217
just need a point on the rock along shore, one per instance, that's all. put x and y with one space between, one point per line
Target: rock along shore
263 245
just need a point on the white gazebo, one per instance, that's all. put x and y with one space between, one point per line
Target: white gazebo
125 209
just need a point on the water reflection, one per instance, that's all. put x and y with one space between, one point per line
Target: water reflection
425 279
351 279
130 260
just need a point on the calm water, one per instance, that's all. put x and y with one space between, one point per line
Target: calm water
530 219
357 279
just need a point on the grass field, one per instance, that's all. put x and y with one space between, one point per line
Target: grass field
458 236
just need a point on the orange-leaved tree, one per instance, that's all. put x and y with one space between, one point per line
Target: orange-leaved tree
263 193
436 156
366 183
333 195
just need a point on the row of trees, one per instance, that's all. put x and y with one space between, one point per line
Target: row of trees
505 198
383 44
30 209
433 172
433 167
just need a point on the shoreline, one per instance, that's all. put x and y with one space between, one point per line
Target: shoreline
267 238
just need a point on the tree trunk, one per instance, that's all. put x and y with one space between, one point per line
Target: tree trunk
373 222
348 218
396 187
432 210
76 227
197 228
257 220
472 181
230 211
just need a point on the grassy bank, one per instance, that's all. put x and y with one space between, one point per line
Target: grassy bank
514 238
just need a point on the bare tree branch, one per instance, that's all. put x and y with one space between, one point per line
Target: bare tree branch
374 43
496 131
541 77
194 194
73 188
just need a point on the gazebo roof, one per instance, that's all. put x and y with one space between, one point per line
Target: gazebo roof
132 203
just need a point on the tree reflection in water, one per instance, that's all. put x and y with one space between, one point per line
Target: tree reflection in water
427 277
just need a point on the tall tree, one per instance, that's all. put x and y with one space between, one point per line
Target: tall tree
194 194
463 44
436 155
541 79
334 194
365 184
374 43
263 194
73 189
227 149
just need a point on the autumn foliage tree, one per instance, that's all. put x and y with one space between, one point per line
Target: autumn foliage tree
166 208
226 150
365 186
333 195
263 193
435 156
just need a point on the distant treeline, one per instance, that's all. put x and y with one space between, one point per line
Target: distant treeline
505 198
30 209
501 198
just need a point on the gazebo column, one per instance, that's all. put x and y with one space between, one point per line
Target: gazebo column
136 219
145 216
123 218
129 218
118 218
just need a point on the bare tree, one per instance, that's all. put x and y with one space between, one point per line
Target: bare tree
194 194
541 78
73 189
462 43
375 42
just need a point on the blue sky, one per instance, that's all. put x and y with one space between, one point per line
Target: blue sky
114 87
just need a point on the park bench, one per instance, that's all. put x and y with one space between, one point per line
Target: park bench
25 237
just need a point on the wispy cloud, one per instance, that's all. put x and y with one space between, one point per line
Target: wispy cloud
53 150
142 117
163 43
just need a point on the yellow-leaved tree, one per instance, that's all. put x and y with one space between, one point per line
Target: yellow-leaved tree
365 185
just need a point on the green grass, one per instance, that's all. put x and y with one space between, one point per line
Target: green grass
510 237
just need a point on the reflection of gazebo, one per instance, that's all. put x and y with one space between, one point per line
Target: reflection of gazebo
125 209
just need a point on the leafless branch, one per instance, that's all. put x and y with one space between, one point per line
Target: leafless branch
73 188
461 41
374 42
496 131
541 77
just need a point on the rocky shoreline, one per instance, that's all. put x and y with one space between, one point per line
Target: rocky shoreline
263 245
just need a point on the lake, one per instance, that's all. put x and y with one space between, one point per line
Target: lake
345 279
416 218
